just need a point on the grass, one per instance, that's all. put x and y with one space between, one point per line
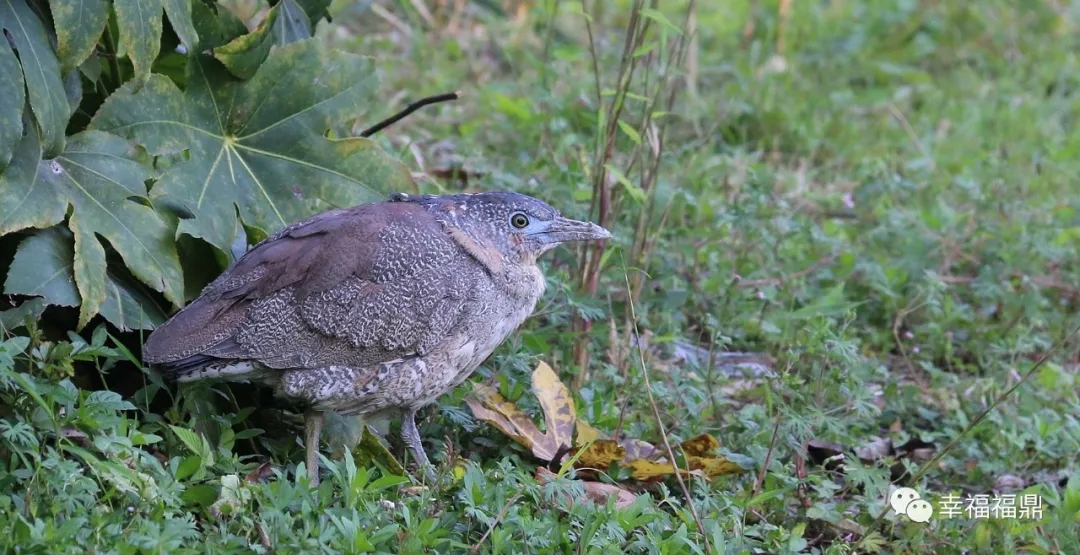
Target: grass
875 198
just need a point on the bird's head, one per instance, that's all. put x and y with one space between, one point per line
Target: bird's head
521 227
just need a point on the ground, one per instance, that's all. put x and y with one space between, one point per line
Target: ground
873 202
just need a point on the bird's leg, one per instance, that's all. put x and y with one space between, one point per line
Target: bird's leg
313 421
411 436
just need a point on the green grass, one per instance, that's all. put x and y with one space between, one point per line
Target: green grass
886 209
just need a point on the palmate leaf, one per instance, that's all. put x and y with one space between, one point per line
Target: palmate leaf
140 23
243 55
295 22
12 101
79 24
258 146
41 72
97 179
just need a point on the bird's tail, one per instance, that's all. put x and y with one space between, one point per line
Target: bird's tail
208 368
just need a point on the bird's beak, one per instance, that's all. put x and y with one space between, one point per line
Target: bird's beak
562 230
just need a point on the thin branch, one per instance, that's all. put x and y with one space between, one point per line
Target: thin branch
498 518
660 421
408 110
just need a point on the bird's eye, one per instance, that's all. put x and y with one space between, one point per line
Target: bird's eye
519 220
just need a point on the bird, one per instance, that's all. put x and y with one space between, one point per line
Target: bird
374 310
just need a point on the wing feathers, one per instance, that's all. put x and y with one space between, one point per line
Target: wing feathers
356 286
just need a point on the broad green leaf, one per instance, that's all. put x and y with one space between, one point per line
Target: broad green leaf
43 268
258 145
12 103
29 311
315 9
215 25
140 25
25 200
245 54
41 71
128 305
179 12
78 25
292 23
96 178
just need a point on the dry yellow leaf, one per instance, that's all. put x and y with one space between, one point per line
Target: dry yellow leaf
558 406
555 400
645 470
488 405
714 466
585 433
600 454
700 446
593 451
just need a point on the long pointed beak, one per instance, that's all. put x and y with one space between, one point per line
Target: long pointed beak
562 230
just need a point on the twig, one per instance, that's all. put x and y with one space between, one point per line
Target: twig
768 458
912 136
971 426
408 110
660 421
502 512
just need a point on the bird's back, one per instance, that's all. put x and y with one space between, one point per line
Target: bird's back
353 287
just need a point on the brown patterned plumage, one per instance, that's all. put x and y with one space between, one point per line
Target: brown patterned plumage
375 308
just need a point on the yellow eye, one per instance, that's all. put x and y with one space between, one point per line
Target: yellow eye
519 220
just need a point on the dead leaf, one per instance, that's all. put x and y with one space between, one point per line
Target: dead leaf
591 449
646 471
585 433
599 454
597 492
558 405
637 449
714 466
260 474
700 446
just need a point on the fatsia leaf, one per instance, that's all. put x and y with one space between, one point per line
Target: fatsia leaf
42 267
292 23
12 103
41 72
315 9
141 23
96 178
78 24
179 12
244 55
216 25
258 146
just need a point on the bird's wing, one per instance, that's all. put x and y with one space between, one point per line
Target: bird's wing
347 287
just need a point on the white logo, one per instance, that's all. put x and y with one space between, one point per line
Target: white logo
908 502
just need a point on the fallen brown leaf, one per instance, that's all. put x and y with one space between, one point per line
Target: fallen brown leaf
596 492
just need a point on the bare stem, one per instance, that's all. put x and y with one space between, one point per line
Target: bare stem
408 110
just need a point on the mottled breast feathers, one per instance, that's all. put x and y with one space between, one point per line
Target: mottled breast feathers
357 286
